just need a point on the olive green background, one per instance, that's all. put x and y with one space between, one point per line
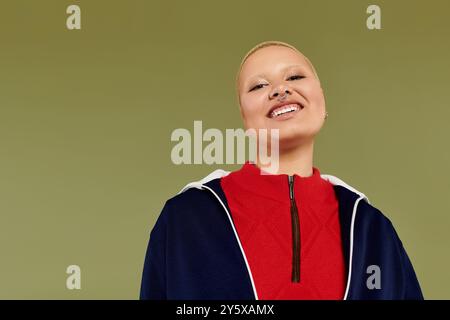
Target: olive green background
86 118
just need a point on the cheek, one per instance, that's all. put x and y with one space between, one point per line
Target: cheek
314 94
251 109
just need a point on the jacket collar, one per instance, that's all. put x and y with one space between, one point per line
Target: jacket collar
335 181
252 180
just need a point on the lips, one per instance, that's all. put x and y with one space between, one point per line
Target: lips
284 108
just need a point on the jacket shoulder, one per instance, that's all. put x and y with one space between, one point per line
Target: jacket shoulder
194 204
370 212
190 198
376 242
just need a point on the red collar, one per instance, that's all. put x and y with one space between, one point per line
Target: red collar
276 186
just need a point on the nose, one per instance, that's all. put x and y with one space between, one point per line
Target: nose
280 93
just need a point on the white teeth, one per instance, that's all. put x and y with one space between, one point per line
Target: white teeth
284 109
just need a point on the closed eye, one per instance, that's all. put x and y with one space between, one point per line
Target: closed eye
296 77
258 86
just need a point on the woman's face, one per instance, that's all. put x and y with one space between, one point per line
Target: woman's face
266 75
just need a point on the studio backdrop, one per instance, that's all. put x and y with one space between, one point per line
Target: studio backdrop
92 91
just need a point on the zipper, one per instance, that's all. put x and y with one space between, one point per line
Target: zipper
291 191
295 233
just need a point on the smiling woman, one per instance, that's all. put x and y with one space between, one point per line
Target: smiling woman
290 234
276 83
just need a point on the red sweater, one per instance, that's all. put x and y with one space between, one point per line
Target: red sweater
261 210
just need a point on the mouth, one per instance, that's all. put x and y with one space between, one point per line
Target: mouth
284 110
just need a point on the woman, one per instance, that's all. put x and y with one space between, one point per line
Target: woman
290 234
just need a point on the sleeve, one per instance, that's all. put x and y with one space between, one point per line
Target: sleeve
153 284
411 288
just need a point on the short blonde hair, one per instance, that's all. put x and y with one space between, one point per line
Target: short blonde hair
268 44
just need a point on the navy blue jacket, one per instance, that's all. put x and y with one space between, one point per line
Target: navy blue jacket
194 250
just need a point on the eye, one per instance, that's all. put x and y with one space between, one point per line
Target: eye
296 77
258 86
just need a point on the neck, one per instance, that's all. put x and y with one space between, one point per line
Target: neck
298 160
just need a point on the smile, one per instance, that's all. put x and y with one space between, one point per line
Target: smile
285 110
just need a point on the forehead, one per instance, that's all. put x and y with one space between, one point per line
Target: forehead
270 59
